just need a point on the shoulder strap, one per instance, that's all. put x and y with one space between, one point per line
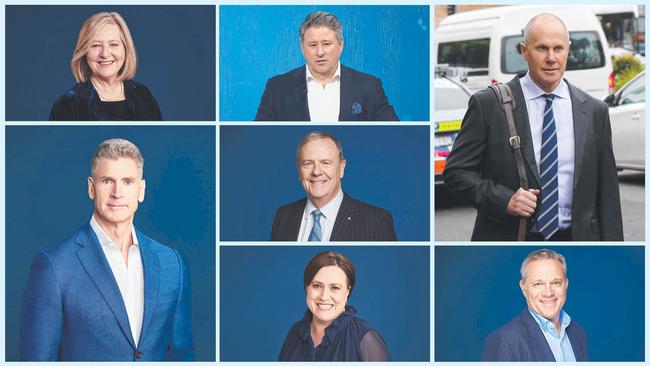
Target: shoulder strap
507 102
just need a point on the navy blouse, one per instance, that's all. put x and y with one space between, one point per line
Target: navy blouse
348 338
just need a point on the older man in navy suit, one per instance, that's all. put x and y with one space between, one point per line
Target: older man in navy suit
328 214
324 90
543 331
109 292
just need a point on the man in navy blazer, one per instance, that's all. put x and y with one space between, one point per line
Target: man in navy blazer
327 214
108 292
324 90
542 331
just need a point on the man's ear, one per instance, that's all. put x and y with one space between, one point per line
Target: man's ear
143 186
91 188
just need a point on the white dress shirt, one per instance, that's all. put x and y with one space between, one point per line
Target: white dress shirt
562 112
130 279
327 220
324 101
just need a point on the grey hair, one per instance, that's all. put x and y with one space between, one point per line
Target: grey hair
318 135
322 19
535 19
114 149
539 255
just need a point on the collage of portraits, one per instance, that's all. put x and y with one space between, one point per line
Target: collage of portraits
269 182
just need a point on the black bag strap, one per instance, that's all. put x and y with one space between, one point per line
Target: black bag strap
507 102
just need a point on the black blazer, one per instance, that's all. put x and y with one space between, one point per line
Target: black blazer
522 340
81 103
481 168
362 98
356 221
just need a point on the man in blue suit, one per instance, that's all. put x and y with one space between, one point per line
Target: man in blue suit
324 90
542 331
108 292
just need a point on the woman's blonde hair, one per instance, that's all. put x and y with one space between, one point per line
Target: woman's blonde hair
80 69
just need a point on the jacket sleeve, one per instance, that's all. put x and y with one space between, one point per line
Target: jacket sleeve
383 110
609 201
181 347
41 316
464 175
63 110
496 348
265 111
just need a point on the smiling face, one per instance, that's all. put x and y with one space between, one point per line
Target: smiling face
546 50
117 188
327 294
321 50
545 288
106 53
320 170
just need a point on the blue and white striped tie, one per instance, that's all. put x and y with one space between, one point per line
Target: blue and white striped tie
316 231
548 219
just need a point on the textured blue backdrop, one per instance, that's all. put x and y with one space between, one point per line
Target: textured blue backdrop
387 166
176 50
262 296
47 200
389 42
477 291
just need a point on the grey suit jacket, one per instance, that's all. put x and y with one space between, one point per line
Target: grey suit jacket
481 168
356 221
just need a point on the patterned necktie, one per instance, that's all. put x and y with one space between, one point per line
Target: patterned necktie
548 219
316 231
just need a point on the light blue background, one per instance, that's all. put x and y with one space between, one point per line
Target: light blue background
388 42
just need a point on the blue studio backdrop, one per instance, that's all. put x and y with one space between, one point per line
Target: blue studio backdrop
477 291
388 42
262 296
47 201
387 166
175 45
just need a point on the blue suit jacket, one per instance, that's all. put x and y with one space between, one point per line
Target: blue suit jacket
73 310
362 98
522 340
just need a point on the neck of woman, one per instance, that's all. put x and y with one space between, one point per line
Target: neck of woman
318 332
108 90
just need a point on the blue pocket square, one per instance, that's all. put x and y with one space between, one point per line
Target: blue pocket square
356 108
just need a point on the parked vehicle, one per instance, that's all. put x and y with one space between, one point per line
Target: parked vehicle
450 107
627 116
484 45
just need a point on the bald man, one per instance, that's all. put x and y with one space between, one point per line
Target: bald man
567 147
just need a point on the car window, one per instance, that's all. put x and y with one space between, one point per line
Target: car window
450 98
634 92
470 53
586 53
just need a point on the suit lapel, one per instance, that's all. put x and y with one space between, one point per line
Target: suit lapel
345 220
577 346
300 94
538 345
344 111
94 262
151 269
580 128
520 115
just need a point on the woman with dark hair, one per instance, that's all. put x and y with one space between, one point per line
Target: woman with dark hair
330 329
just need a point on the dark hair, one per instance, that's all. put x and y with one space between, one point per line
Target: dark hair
322 19
329 258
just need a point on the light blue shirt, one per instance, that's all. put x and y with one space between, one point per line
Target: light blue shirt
563 115
559 343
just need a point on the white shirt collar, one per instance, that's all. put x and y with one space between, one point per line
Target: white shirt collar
330 210
533 91
336 76
104 239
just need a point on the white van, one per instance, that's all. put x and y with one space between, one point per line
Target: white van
484 45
